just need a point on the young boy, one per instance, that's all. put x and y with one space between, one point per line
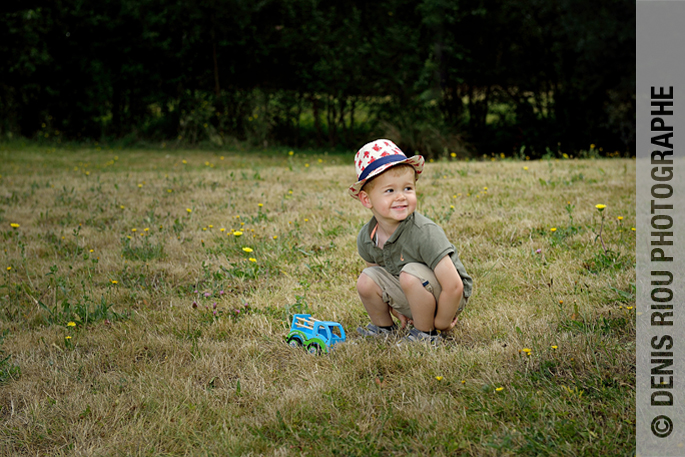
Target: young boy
413 271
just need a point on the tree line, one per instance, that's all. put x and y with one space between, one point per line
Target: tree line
436 75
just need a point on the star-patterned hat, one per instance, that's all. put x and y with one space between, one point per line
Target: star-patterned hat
376 157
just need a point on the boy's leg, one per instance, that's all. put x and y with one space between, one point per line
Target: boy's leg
421 301
426 277
372 299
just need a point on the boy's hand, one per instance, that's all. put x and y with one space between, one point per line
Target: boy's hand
404 320
453 324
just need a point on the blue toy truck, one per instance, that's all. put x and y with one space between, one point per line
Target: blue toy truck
314 335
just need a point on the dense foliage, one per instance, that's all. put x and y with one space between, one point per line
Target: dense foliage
491 76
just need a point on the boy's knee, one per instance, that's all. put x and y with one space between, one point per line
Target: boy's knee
366 286
409 281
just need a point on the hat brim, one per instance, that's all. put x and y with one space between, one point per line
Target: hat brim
416 162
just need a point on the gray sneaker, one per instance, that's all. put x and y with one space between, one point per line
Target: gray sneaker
417 336
375 331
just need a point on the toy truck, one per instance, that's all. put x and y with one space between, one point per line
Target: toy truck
314 335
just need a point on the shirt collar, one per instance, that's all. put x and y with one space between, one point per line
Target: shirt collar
396 233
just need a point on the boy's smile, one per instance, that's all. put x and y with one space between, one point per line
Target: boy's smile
392 197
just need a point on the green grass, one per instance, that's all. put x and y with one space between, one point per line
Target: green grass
178 345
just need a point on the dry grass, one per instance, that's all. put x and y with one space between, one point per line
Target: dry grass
145 373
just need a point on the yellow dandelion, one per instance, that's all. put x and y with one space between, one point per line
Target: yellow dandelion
499 389
592 146
246 249
13 225
122 207
463 381
237 233
553 229
275 237
169 190
114 281
306 165
140 185
525 168
439 378
526 350
91 251
453 155
600 207
189 210
291 153
632 228
620 218
146 229
184 161
222 229
204 229
9 268
260 204
67 337
485 188
134 230
451 206
306 220
252 259
555 347
71 324
629 307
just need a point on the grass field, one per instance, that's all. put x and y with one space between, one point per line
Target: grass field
145 296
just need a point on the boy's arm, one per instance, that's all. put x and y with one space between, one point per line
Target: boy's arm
450 297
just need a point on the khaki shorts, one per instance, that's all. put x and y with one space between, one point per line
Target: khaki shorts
393 294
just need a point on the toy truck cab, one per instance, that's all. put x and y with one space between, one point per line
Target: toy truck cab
314 335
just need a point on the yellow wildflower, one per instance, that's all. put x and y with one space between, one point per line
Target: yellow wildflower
439 378
13 225
252 259
246 249
71 324
600 207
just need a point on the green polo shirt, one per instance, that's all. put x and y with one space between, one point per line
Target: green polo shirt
417 239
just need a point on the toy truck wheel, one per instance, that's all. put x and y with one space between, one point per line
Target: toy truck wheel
314 348
294 342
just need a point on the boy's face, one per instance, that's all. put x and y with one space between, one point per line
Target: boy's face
392 198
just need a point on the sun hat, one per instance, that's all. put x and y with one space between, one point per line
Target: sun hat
376 157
